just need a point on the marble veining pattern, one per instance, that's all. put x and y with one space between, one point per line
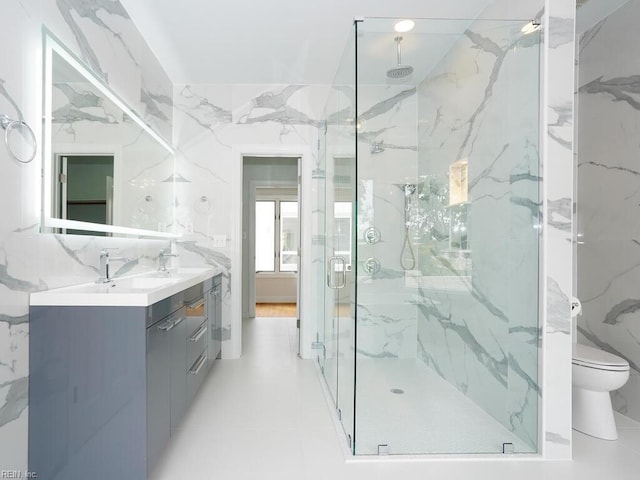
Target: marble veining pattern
554 437
622 89
558 28
202 110
608 196
104 37
10 99
496 366
476 328
487 45
626 307
210 121
89 11
274 107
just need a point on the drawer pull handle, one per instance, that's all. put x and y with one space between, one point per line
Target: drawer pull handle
169 324
178 321
195 369
198 333
197 304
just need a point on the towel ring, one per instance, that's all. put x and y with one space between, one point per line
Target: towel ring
24 130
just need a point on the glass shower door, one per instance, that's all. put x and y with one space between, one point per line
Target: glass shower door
339 322
337 163
447 219
329 359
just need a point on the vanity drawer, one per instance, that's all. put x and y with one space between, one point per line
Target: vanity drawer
197 343
196 313
196 375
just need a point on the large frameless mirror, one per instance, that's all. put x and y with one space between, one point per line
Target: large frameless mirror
105 171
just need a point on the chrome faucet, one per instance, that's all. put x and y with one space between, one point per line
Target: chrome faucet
105 258
162 260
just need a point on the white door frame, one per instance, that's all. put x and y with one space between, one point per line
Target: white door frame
307 323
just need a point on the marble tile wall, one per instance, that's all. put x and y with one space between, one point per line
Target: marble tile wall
480 106
101 33
557 82
608 177
387 159
213 123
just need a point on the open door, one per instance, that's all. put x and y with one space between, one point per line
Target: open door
299 256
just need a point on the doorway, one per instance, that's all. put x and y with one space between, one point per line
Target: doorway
84 189
271 237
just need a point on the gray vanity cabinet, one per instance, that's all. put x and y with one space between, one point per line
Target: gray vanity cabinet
215 318
196 301
109 385
87 393
158 393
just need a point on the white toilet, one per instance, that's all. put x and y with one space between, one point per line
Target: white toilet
595 374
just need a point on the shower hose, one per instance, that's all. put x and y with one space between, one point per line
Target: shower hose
410 262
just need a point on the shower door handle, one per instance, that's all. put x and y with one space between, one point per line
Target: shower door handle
343 270
331 271
333 263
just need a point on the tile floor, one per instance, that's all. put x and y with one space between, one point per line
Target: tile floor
430 416
265 417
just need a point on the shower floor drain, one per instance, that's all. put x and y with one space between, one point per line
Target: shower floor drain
397 391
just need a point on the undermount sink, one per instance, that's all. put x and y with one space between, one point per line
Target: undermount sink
136 290
185 271
143 283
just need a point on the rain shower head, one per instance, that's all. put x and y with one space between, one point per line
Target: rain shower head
407 188
399 71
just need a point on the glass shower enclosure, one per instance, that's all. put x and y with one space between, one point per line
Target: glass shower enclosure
429 192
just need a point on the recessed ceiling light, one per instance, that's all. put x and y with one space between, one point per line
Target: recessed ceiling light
404 26
530 28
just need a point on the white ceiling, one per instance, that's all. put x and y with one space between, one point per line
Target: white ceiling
282 41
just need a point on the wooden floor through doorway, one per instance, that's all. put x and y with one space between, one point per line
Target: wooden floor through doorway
275 309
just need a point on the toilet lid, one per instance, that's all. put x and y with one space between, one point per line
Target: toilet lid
596 358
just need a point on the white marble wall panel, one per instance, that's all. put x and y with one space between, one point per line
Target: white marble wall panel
387 159
212 124
480 106
30 261
104 37
608 176
557 191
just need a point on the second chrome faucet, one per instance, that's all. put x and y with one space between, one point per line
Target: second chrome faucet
162 260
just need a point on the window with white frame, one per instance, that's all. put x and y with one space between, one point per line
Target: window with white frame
277 236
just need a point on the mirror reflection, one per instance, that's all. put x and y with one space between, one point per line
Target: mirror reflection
106 171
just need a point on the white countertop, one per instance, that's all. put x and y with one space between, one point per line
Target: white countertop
139 290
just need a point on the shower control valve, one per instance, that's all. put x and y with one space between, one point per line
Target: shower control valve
371 266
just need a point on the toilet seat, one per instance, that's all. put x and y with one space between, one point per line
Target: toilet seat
590 357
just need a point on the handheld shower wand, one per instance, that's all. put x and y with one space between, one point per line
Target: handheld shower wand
407 263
